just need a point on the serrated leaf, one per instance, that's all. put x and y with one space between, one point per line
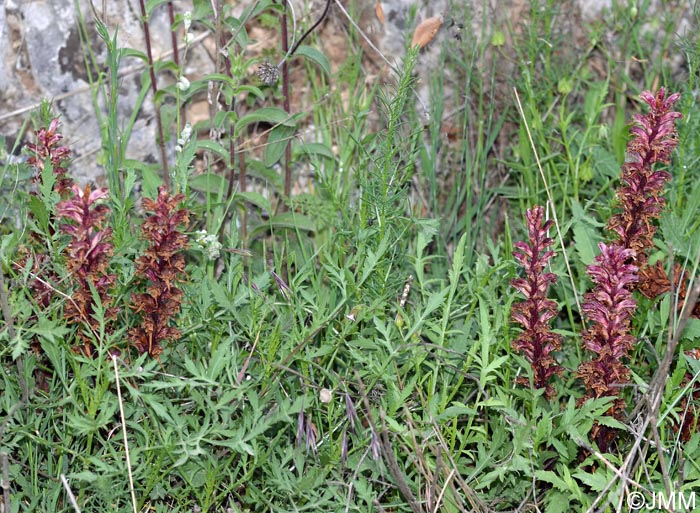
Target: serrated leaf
81 425
49 330
39 211
611 422
220 295
553 479
605 163
316 56
20 345
597 482
585 237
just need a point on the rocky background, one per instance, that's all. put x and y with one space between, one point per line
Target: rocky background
42 55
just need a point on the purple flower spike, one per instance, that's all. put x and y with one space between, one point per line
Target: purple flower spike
89 252
610 308
640 193
47 147
537 342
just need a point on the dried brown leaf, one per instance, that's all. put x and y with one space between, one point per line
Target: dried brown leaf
426 30
380 13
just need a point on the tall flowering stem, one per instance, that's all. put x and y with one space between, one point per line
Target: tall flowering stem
640 193
88 251
48 147
39 261
161 268
537 342
610 308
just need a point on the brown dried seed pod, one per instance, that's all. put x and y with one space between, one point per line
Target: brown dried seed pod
268 73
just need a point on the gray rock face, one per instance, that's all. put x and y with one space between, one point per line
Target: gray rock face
42 56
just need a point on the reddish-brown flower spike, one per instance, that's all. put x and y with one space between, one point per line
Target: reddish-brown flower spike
160 269
47 147
610 308
89 251
537 342
640 193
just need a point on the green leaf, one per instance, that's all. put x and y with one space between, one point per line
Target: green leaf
316 56
219 77
130 52
150 181
49 331
85 475
254 198
19 345
597 482
208 182
257 7
277 142
611 422
220 295
152 4
293 220
319 149
553 479
585 236
214 147
457 410
251 89
286 220
39 211
272 115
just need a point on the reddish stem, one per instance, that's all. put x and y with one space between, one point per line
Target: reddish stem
154 87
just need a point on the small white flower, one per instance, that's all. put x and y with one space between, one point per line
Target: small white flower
325 395
209 243
189 38
187 20
186 132
184 136
183 84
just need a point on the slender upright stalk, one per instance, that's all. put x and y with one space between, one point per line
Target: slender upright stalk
176 55
285 92
242 185
154 87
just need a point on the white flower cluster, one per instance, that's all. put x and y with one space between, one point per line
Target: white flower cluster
183 84
209 243
187 20
184 137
